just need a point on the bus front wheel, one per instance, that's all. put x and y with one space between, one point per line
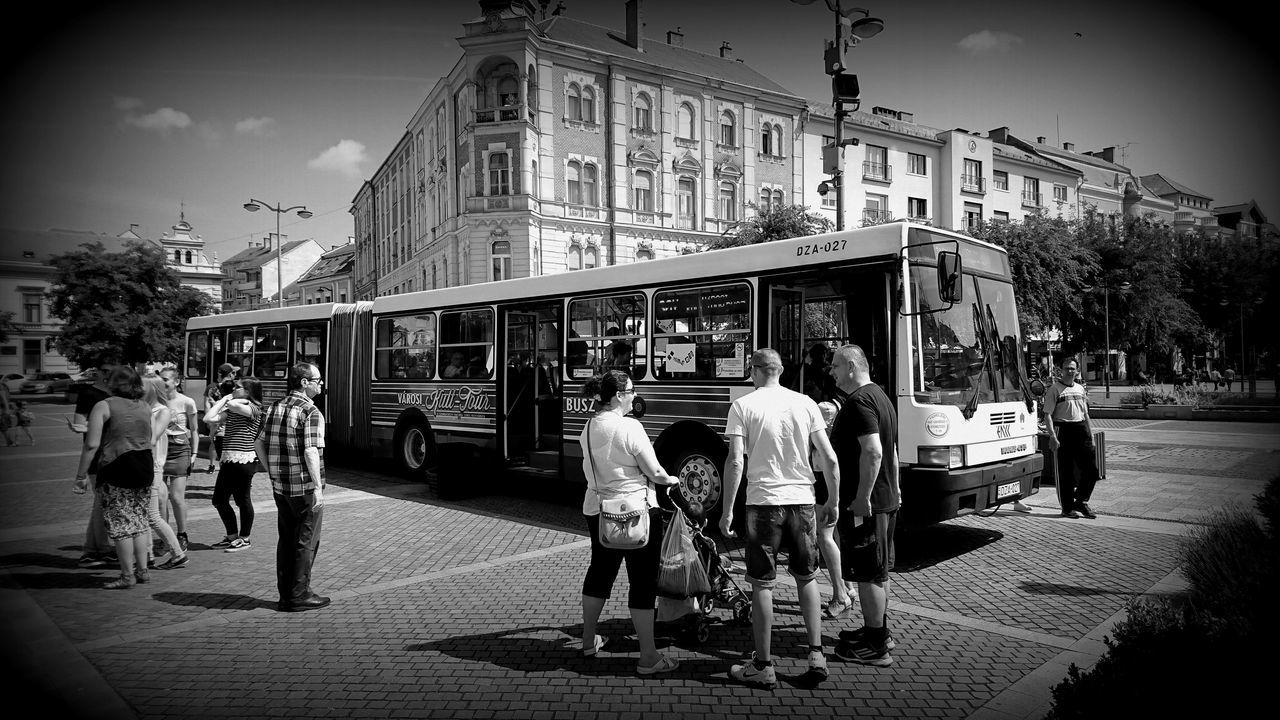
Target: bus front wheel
700 478
414 450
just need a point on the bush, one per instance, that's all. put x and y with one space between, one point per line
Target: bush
1201 654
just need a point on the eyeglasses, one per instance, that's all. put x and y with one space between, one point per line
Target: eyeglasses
628 391
317 381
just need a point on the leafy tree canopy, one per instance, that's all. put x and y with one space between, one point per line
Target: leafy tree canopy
123 307
6 326
776 222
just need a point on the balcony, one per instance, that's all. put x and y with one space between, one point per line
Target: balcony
921 220
497 203
973 183
1032 199
586 212
879 172
506 113
876 217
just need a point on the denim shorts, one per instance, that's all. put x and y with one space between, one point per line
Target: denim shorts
790 528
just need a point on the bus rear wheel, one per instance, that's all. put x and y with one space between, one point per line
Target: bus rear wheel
700 478
415 452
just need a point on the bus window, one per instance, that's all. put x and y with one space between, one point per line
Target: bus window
269 357
948 353
308 344
612 336
197 355
240 350
467 337
702 333
405 347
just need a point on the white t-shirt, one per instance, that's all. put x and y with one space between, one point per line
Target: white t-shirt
775 425
617 442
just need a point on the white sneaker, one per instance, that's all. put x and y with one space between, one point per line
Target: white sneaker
748 673
818 663
240 543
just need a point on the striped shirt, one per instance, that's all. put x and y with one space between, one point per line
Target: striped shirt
1067 403
290 426
242 430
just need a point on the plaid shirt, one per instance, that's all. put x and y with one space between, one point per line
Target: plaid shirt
289 427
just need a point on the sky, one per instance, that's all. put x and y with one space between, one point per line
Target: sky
131 113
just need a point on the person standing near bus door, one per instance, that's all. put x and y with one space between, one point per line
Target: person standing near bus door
98 548
774 426
212 394
1066 418
291 446
865 440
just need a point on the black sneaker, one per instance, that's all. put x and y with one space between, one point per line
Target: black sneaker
860 635
1071 514
174 563
864 653
222 544
1087 511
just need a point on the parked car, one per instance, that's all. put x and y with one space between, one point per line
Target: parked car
50 382
14 381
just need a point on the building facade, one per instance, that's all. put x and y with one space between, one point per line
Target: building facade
251 278
186 255
331 278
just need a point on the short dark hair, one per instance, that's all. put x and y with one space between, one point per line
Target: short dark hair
606 385
252 386
299 372
125 382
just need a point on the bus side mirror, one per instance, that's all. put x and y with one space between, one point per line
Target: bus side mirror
950 289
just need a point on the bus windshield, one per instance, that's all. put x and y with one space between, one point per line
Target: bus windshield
970 352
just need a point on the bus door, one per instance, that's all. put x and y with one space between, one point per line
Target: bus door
530 392
786 332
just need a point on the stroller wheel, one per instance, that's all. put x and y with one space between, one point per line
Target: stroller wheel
702 632
742 611
708 605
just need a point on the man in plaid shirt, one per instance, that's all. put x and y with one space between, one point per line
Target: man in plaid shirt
291 446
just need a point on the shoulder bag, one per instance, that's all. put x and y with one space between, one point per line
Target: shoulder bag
624 521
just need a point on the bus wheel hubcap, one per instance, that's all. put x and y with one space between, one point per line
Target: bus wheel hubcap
700 480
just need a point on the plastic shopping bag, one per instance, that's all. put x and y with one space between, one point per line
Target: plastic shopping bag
680 573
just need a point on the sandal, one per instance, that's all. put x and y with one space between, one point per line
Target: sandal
121 583
595 647
664 664
837 609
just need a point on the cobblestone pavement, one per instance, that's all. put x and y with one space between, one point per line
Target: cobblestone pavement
471 608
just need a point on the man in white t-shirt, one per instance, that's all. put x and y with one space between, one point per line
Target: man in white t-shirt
774 427
1070 435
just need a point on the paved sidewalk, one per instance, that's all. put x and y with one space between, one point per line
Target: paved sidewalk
471 608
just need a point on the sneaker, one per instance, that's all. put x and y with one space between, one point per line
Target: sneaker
1071 514
751 674
89 560
837 609
818 664
174 563
864 653
223 543
182 541
240 543
1087 511
860 635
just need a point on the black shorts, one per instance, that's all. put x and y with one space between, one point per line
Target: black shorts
866 551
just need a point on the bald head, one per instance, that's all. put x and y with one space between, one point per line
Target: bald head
849 367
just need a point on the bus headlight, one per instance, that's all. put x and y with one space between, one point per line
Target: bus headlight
941 456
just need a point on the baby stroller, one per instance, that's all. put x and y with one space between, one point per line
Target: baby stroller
691 616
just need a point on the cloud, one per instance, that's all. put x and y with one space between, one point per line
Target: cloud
259 126
343 158
987 42
126 104
162 120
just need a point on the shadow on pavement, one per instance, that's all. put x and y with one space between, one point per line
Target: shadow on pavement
214 601
40 559
918 548
91 579
1045 588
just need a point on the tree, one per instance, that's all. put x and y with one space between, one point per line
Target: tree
124 307
776 222
6 326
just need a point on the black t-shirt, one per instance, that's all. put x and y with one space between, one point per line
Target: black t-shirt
88 397
867 410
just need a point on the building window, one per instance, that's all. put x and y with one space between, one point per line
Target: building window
177 257
575 257
589 185
917 164
972 216
591 257
728 201
684 121
644 253
728 135
1001 216
876 210
777 198
1060 193
918 208
1031 192
686 194
573 103
876 165
31 306
643 113
588 105
971 179
644 191
1000 179
766 139
501 253
188 257
499 173
573 178
763 206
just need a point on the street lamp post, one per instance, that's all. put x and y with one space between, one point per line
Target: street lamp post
255 205
1244 359
844 89
1106 321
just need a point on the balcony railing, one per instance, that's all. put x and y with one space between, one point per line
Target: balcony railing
497 203
874 217
877 171
1032 199
506 113
973 183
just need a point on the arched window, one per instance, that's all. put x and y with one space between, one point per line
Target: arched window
643 113
727 127
763 206
686 203
777 140
728 201
684 121
589 185
575 257
573 181
644 253
501 253
591 257
188 257
434 282
777 198
573 103
499 173
588 105
766 139
177 257
644 191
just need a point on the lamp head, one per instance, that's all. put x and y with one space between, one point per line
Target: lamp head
304 213
252 206
867 27
823 188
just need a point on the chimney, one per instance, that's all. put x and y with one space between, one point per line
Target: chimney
726 51
635 24
1069 147
675 37
1000 135
1107 153
1040 139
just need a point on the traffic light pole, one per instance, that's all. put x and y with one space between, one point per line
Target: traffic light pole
837 177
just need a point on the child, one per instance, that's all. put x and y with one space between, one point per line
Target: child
24 420
7 422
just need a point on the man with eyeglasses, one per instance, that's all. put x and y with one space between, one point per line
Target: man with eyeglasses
774 427
1066 418
291 447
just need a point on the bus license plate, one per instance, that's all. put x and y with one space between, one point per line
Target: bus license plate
1007 489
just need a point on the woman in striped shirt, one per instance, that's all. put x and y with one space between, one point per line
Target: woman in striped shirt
241 414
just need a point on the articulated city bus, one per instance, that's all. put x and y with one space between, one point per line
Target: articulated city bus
264 343
497 368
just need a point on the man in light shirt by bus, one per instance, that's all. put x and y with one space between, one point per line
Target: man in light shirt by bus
1066 419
